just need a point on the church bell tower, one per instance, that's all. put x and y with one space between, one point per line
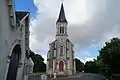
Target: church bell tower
61 23
60 57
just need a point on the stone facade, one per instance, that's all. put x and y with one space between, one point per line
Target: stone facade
14 41
60 57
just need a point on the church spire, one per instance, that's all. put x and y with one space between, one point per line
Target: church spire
62 17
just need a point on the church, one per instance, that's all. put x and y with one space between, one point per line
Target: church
15 63
60 57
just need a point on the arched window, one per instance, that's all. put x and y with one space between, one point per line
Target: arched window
61 66
62 29
61 51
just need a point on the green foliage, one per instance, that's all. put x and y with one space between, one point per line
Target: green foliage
91 67
36 74
110 55
107 62
79 65
39 65
103 69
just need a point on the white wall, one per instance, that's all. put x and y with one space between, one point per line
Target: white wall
4 37
8 39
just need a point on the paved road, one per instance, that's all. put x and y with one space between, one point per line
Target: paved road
85 76
82 76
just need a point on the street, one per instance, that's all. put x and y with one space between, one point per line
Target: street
81 76
85 76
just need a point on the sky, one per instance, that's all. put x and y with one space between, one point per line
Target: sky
90 24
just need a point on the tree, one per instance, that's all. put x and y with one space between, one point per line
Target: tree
110 55
39 65
103 69
79 65
90 67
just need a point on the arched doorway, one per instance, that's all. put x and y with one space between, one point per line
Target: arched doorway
61 66
14 62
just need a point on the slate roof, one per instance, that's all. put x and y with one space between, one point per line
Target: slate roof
62 17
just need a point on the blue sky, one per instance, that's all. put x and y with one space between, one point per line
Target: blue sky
93 22
26 5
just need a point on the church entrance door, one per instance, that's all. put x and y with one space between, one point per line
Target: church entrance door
14 62
61 66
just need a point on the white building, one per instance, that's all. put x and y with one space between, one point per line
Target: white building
14 41
60 57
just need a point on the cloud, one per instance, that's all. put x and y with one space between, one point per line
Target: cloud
84 60
91 23
103 25
90 59
45 58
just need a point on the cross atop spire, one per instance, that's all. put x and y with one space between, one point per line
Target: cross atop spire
62 17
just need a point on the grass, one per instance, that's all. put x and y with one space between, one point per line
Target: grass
36 74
